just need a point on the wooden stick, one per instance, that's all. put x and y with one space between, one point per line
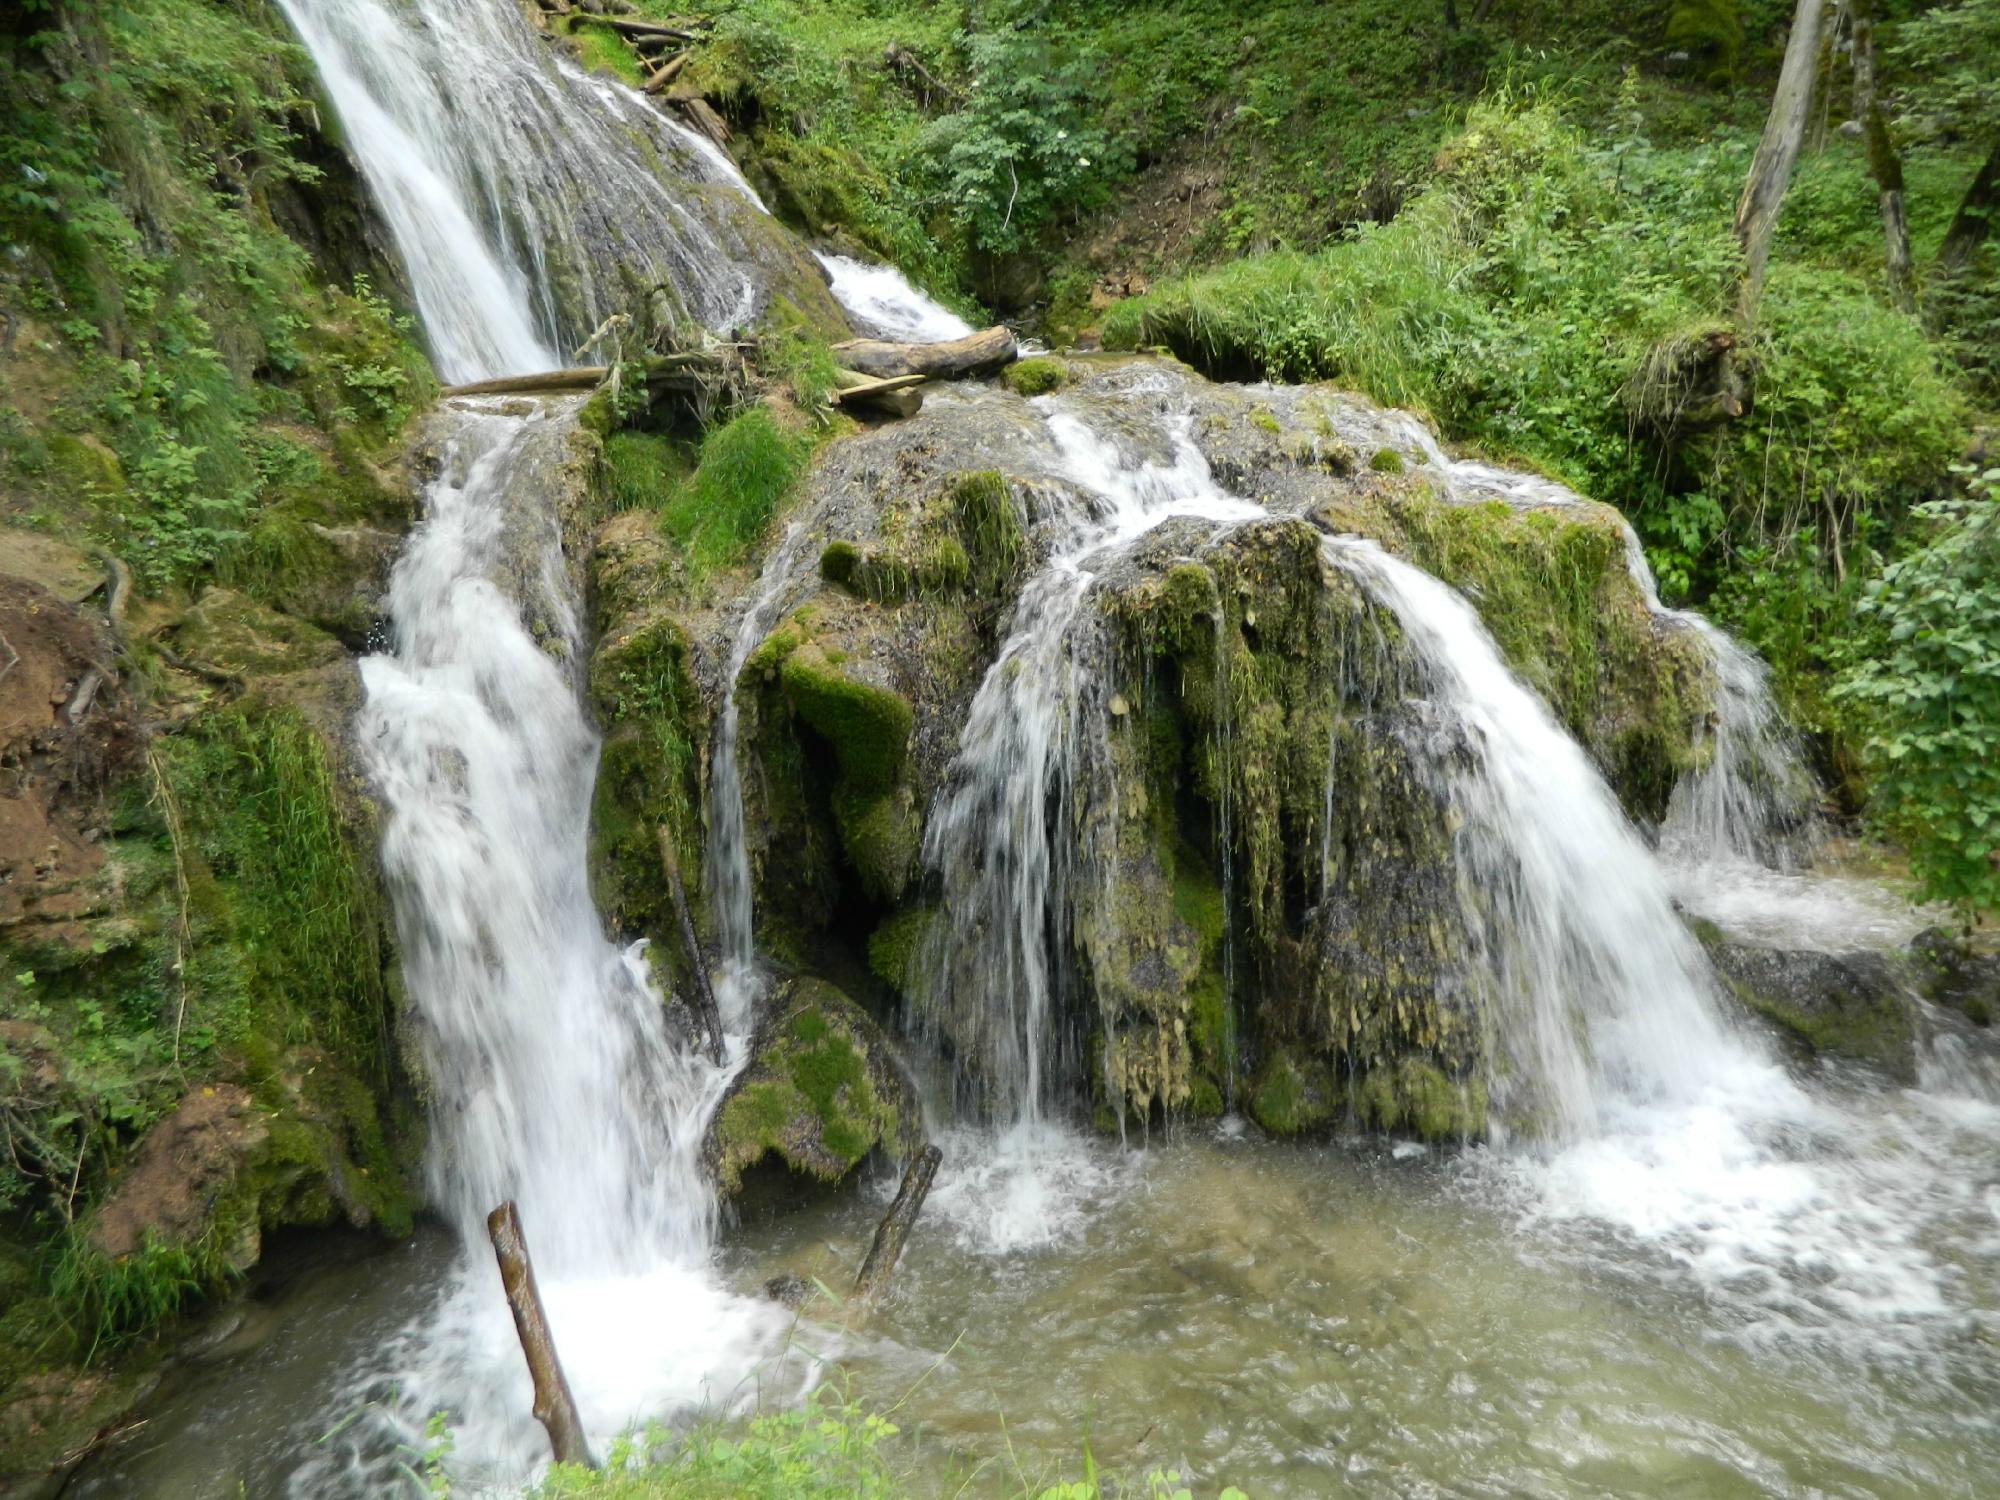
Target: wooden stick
866 388
555 1407
895 1228
704 993
668 72
577 378
975 354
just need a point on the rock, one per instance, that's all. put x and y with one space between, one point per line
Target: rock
1852 1005
822 1089
181 1170
228 633
1950 972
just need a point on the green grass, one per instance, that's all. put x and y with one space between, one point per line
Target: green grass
829 1448
746 471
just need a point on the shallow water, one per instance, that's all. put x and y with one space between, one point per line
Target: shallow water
1332 1318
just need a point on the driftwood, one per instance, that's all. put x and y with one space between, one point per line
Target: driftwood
555 1407
575 378
895 1228
667 72
704 992
637 31
976 354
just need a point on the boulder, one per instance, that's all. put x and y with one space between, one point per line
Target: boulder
1853 1005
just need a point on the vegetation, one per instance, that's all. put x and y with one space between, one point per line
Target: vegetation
829 1447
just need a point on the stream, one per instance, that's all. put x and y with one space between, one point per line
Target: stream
1706 1274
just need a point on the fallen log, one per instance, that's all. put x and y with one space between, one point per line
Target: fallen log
906 402
703 118
894 1229
667 72
635 30
704 992
555 1407
576 378
864 389
976 354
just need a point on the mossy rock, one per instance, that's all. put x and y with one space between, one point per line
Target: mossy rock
867 724
1416 1096
895 948
1291 1094
1036 376
822 1089
1851 1005
228 632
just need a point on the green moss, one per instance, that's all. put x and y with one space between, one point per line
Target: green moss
641 470
868 726
745 472
895 947
1386 461
1291 1096
1416 1096
880 834
1034 377
990 527
821 1091
1263 417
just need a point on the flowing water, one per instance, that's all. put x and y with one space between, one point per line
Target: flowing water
527 201
882 302
1704 1277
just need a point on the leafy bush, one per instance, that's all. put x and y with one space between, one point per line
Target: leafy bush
1927 680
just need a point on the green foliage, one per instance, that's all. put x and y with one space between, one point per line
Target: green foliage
1948 52
1710 31
1927 680
139 168
1027 146
830 1448
746 469
641 470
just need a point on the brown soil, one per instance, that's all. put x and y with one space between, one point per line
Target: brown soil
64 730
185 1160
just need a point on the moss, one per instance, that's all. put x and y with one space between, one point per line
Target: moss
989 525
1386 461
1291 1096
820 1092
868 726
1262 417
896 947
881 835
1034 377
1416 1095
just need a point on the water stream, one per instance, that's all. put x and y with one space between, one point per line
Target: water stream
1703 1277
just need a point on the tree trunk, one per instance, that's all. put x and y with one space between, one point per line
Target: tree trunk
1974 220
975 354
555 1407
1883 161
1777 152
895 1228
704 992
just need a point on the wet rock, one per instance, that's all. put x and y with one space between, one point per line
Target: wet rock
1950 972
822 1089
228 633
1853 1005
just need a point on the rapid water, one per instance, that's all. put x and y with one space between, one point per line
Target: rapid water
882 302
527 201
1001 835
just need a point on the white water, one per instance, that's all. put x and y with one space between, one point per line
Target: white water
728 851
553 1078
999 834
882 302
520 197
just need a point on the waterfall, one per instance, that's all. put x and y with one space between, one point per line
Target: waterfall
882 302
1590 979
1748 808
999 836
527 201
728 848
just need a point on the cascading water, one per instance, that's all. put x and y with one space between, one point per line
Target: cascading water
1590 978
881 300
728 846
523 197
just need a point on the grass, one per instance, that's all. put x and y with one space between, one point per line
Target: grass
829 1448
746 469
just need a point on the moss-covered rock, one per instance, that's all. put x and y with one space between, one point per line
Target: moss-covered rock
1852 1005
1036 376
1416 1096
822 1089
1291 1095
